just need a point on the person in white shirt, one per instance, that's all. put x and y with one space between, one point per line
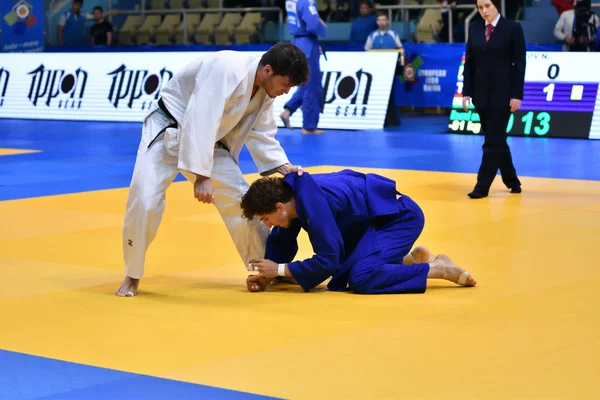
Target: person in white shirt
563 30
205 115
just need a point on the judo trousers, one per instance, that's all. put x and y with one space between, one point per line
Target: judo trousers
382 271
310 95
155 169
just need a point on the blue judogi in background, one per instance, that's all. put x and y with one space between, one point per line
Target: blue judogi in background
305 26
359 230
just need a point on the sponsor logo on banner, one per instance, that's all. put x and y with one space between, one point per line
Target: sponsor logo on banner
20 17
4 77
58 88
139 87
355 88
22 25
124 86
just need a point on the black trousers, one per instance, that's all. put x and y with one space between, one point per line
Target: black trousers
496 153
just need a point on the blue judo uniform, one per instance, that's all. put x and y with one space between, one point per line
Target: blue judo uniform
359 230
305 26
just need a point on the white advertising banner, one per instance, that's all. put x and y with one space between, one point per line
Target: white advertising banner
123 86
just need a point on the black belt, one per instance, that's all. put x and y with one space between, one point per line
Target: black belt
163 108
161 105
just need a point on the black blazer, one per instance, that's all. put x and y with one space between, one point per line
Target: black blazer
494 71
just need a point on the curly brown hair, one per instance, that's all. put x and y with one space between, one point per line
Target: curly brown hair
263 195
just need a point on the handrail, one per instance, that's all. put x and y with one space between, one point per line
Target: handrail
432 6
185 11
467 22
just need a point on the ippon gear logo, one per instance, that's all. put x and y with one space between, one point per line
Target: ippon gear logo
355 89
57 84
132 85
4 77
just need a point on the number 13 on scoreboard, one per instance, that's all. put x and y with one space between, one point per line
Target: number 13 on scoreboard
541 127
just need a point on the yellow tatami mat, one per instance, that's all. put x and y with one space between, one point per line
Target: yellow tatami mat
530 329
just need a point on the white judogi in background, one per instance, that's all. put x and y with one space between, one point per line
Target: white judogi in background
211 101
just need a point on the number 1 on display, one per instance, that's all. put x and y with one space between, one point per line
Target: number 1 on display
549 90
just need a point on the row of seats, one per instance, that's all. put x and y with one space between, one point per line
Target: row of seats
179 4
208 28
233 27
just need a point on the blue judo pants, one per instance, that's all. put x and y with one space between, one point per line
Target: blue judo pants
382 271
310 95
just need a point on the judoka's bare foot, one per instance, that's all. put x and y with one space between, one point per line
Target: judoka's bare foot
257 283
285 117
442 267
128 288
418 255
312 131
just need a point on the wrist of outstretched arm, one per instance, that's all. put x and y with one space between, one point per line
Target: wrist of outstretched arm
283 270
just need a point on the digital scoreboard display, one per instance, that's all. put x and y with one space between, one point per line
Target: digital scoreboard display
560 99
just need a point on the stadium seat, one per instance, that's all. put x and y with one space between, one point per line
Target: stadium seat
167 29
193 20
206 28
224 31
247 28
145 32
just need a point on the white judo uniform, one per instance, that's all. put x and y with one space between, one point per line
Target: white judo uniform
215 113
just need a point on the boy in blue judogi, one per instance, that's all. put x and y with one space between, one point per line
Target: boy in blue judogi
361 230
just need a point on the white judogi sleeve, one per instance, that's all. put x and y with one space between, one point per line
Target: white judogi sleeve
202 119
265 150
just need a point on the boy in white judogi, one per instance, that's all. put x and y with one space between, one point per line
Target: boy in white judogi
206 113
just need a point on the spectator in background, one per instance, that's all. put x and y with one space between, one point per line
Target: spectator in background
383 38
563 5
353 7
448 8
102 31
71 26
563 30
363 25
458 20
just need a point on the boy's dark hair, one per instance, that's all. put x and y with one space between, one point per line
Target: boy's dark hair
383 14
78 1
263 195
99 8
287 59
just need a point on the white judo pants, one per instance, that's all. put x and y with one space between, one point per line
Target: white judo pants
154 170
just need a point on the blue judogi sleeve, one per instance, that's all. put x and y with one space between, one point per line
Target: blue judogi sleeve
282 243
319 222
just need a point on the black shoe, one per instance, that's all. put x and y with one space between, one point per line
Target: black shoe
478 194
516 189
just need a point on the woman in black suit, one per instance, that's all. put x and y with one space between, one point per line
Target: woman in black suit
494 75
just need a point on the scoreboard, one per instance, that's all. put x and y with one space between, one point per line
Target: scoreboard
560 98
